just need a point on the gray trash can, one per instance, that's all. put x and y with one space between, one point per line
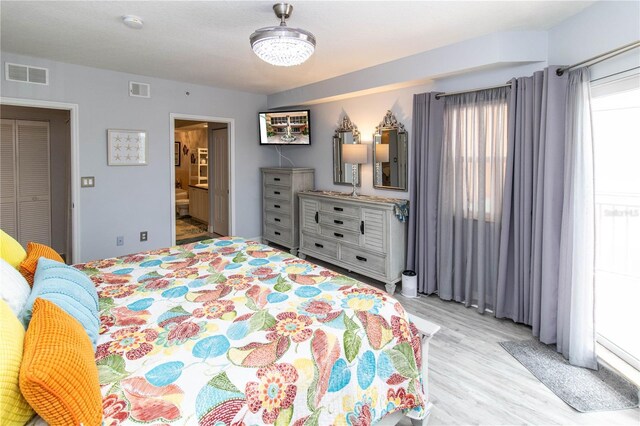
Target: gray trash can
409 284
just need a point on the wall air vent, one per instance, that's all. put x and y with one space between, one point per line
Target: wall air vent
26 74
139 90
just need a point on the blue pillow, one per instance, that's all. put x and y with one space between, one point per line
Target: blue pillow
69 289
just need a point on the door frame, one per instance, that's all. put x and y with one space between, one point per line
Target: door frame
74 133
231 131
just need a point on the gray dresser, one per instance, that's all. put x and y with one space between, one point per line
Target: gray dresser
360 234
280 204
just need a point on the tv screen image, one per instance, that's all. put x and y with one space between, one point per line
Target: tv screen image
285 128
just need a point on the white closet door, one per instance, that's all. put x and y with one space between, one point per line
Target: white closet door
8 190
34 203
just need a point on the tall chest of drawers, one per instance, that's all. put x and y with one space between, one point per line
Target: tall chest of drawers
280 204
360 234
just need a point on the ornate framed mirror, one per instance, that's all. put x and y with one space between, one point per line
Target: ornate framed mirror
346 133
390 154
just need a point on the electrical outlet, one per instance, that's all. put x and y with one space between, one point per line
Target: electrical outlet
120 241
143 236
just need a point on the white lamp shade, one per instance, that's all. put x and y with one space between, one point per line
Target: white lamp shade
382 153
354 153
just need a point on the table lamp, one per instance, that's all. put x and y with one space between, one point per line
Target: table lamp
354 154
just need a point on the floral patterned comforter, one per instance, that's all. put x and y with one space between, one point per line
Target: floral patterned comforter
229 331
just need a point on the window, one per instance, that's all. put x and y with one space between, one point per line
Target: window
476 135
616 130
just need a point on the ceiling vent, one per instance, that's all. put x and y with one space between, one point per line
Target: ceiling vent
139 90
26 73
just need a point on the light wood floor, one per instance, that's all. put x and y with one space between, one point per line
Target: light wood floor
472 380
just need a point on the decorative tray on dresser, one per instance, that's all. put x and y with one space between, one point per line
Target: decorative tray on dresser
364 234
280 204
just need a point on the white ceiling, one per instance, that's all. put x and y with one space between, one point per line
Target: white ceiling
208 42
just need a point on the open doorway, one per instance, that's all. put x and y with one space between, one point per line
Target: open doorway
201 179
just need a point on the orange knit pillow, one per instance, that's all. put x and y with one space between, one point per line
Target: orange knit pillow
58 374
34 252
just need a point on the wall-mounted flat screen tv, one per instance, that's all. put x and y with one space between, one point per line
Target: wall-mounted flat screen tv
285 127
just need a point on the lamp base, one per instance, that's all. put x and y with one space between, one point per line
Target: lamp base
353 180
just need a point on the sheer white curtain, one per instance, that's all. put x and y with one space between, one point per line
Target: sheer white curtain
472 168
576 331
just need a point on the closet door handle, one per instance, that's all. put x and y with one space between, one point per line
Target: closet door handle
277 206
362 259
362 227
276 219
339 222
338 209
276 192
336 234
319 245
316 216
276 179
276 232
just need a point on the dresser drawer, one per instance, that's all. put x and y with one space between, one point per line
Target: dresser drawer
278 179
278 219
277 193
340 208
340 235
320 245
363 260
276 234
282 207
341 222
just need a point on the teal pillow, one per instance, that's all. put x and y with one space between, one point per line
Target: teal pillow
69 289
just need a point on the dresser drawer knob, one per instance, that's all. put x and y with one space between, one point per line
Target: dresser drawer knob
276 232
338 209
339 222
276 219
277 206
276 179
319 245
362 259
276 192
316 217
336 234
362 227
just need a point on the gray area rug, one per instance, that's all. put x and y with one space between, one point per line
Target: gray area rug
583 389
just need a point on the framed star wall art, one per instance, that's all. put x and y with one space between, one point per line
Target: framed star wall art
126 147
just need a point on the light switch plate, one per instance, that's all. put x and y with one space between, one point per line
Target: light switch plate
87 181
143 236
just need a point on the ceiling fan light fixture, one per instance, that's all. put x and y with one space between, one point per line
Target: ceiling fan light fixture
280 45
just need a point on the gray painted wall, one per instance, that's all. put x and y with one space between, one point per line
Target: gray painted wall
366 112
599 28
127 200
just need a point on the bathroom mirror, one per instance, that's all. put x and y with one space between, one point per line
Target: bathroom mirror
390 154
346 133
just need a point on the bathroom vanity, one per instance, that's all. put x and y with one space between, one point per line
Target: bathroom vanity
199 202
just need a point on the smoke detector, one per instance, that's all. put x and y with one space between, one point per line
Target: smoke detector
132 21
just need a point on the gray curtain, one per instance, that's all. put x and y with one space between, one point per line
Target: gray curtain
527 288
546 251
576 331
472 171
426 145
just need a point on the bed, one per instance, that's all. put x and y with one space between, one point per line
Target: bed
230 331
